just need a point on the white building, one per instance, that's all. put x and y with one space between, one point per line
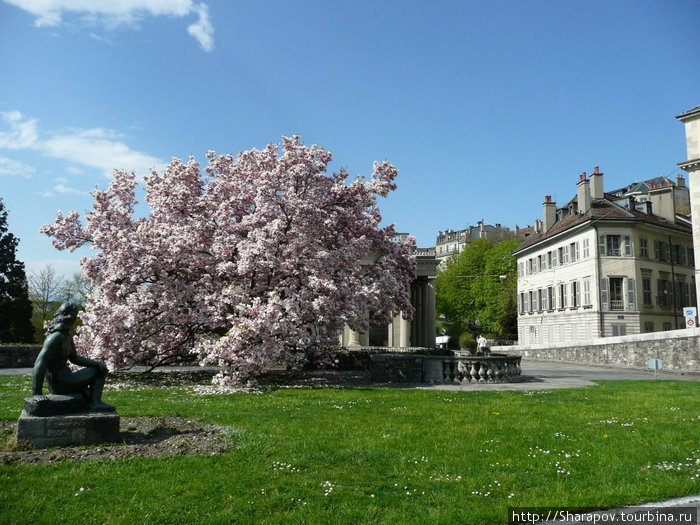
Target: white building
691 119
607 264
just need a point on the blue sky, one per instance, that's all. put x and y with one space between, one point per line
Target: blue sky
484 106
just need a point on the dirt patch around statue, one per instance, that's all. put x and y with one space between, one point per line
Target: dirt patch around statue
138 437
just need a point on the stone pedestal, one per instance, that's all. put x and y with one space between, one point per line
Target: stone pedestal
70 429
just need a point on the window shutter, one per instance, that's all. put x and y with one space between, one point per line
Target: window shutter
578 293
628 246
630 295
601 244
604 294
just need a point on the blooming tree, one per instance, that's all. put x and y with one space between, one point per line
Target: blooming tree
245 263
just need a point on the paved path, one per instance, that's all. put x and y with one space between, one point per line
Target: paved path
544 375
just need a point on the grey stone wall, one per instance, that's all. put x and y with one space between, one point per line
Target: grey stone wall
20 356
679 350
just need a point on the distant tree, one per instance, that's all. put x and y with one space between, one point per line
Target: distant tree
44 291
15 306
262 256
76 289
476 292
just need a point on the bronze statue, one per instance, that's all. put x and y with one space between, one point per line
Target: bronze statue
52 363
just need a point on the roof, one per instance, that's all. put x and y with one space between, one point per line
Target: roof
689 113
601 209
644 186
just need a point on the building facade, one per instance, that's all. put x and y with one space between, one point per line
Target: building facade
450 242
607 263
691 119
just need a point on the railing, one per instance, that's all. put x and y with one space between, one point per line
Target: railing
616 304
480 369
387 368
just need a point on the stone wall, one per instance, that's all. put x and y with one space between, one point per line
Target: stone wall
19 356
679 350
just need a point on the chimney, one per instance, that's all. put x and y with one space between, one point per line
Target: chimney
584 194
632 204
680 181
549 212
596 184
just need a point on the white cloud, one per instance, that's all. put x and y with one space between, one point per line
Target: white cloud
93 148
112 13
99 148
203 30
67 190
15 168
22 133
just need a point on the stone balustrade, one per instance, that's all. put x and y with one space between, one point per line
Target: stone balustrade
397 368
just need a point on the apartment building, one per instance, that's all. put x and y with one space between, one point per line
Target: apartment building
607 263
450 242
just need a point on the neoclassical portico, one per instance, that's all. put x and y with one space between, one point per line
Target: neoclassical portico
420 332
691 119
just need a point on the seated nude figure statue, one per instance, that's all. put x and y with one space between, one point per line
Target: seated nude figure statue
52 363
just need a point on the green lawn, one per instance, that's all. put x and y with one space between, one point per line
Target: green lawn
328 455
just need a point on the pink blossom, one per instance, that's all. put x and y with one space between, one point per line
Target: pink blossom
244 263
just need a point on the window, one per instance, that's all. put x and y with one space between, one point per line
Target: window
587 291
533 334
563 256
643 248
604 294
683 293
664 293
550 298
661 251
631 303
646 292
531 304
679 254
691 256
619 329
575 294
667 326
573 252
562 296
612 245
615 245
648 326
539 300
617 300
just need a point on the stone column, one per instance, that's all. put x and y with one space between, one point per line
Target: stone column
364 338
430 313
353 339
404 332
